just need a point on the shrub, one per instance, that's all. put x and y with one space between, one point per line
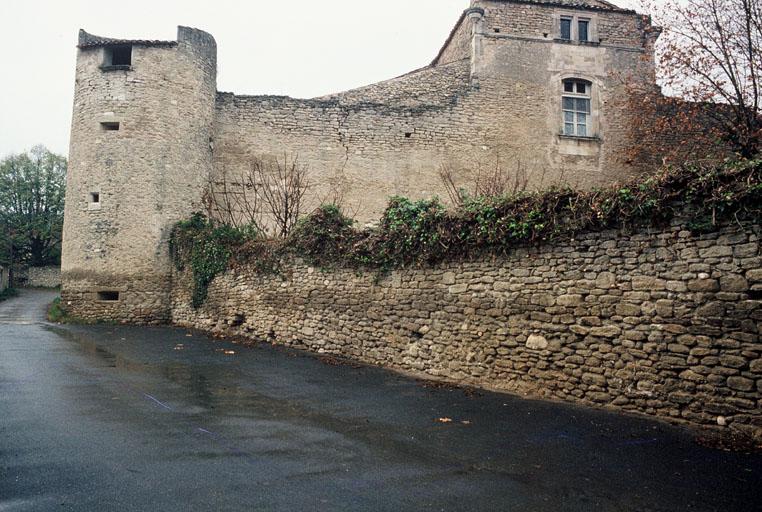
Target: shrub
207 249
424 231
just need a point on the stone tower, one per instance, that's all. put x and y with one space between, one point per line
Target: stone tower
141 152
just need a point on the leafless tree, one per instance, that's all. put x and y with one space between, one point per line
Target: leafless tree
282 186
711 52
234 199
487 181
269 195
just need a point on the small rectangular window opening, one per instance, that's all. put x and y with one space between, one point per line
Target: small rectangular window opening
583 30
95 197
408 135
110 126
566 26
108 296
497 31
119 56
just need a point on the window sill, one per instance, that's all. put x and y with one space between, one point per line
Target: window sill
581 138
116 68
578 43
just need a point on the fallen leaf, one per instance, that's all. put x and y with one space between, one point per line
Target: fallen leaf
445 420
230 352
466 422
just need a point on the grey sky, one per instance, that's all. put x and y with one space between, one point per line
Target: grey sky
301 48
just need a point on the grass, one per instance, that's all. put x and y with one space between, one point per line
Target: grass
57 314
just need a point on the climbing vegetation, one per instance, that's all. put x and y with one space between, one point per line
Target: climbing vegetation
426 232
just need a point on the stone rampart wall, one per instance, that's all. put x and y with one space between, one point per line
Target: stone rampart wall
662 322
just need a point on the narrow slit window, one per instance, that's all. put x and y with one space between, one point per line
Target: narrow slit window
575 104
583 30
566 26
95 197
110 126
108 296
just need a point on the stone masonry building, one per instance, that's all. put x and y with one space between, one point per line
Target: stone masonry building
531 83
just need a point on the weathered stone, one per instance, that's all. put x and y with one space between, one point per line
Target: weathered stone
448 278
733 361
733 283
648 283
535 342
717 251
692 376
605 280
740 383
607 331
704 285
543 299
458 288
711 309
569 300
627 309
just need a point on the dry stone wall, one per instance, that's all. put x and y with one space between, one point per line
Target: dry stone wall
43 277
661 322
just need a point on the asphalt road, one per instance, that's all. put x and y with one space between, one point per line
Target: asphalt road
131 418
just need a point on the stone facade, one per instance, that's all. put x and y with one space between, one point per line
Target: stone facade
150 130
661 322
126 187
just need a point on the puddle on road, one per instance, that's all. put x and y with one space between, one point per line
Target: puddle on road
213 393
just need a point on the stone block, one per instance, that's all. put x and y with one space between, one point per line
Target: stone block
704 285
570 300
625 309
717 251
740 383
536 342
650 283
733 283
458 288
606 331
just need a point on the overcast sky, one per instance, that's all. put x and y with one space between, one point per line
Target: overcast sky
301 48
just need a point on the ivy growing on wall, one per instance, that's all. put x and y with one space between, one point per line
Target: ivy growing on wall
425 232
205 248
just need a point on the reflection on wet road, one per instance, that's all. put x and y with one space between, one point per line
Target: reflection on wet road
134 418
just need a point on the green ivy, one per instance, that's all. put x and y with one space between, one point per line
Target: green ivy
424 231
207 249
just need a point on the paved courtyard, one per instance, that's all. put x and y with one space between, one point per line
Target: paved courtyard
132 418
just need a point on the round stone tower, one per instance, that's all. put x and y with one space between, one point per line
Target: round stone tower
140 155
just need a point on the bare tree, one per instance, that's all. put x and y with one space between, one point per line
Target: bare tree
488 181
269 195
234 199
282 186
711 52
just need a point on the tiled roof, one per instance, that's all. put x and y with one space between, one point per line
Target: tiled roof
90 41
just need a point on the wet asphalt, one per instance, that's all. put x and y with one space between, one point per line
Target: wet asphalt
105 418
